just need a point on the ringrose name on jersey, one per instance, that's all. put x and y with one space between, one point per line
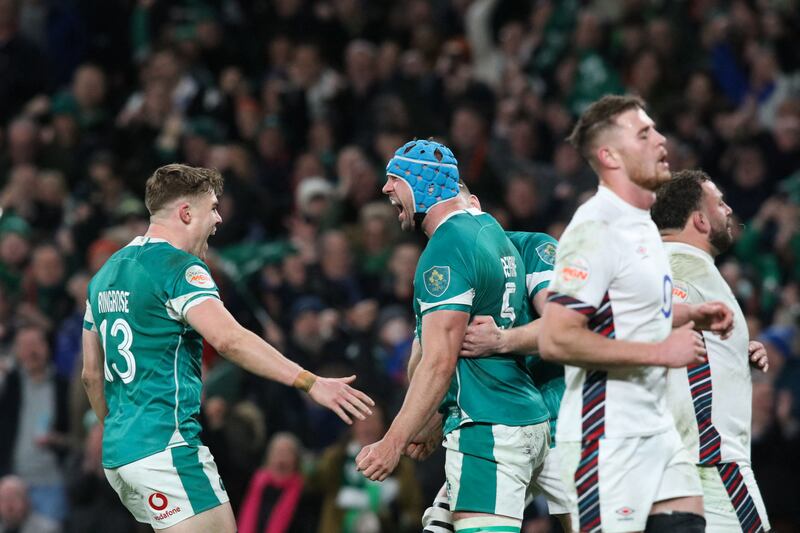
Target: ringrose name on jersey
113 301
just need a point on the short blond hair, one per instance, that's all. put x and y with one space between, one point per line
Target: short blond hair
174 181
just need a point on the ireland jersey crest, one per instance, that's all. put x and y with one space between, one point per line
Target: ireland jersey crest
437 279
547 253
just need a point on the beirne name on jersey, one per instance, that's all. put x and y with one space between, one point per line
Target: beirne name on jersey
470 265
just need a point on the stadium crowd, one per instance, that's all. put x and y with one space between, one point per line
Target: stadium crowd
300 103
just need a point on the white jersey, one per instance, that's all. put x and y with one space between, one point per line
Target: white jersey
612 267
715 395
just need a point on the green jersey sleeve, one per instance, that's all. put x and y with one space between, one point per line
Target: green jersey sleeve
444 279
88 319
538 251
190 287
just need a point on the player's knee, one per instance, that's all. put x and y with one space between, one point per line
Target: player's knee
487 523
437 520
675 523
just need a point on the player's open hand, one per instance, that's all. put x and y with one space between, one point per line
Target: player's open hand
337 395
683 347
715 317
483 337
379 459
758 356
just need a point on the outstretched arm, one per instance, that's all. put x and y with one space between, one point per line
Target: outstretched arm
243 347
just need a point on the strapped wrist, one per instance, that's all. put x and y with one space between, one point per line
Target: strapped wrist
304 381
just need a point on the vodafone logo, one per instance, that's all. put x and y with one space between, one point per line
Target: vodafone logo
158 501
199 277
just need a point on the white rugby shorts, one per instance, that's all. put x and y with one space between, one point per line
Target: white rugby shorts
169 486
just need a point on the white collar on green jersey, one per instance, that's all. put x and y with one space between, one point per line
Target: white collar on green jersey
142 240
471 210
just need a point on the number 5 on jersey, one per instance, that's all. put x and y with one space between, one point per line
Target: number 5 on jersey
123 348
507 311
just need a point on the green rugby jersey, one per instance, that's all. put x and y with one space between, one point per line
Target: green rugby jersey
137 303
538 251
470 265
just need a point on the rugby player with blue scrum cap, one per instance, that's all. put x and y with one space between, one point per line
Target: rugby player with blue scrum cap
495 421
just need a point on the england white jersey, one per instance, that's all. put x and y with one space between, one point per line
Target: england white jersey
612 267
711 402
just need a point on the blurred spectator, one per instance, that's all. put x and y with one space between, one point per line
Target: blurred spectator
45 300
398 282
378 232
334 278
354 115
350 500
236 434
775 470
275 501
16 515
86 102
395 332
23 144
34 413
94 506
470 144
14 251
358 185
749 184
67 351
23 69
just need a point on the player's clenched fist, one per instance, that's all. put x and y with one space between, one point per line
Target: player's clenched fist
683 347
713 316
379 459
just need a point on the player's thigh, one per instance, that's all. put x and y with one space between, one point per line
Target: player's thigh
680 488
218 519
169 487
548 481
611 484
719 497
488 467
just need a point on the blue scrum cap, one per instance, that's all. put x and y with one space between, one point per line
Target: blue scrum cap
429 168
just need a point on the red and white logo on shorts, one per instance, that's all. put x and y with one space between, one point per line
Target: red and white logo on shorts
158 501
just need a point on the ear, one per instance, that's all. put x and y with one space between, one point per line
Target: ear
699 221
607 157
185 213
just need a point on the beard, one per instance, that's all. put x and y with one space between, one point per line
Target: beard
651 181
649 178
407 224
721 238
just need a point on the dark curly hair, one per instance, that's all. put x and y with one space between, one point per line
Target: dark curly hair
678 198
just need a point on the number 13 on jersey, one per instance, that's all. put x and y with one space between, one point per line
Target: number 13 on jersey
119 327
